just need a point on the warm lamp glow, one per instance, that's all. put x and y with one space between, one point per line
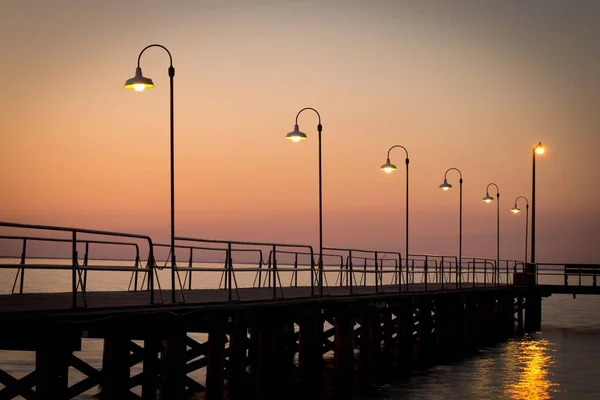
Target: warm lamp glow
388 167
445 186
515 209
296 135
138 82
539 149
488 198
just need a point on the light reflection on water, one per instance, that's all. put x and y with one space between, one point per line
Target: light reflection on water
534 362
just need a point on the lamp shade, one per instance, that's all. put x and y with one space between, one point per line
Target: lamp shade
296 135
488 198
445 186
138 82
515 209
388 167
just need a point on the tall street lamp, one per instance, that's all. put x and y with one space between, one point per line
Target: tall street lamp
389 167
296 136
139 83
445 187
516 210
537 150
489 199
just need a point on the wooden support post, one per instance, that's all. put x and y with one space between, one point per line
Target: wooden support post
519 314
174 364
533 313
388 341
238 341
265 361
150 368
115 367
439 349
456 327
52 368
404 335
370 345
310 351
425 328
215 362
344 353
470 324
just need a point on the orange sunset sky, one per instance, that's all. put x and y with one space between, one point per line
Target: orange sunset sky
466 84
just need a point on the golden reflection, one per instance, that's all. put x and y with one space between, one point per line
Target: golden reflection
532 381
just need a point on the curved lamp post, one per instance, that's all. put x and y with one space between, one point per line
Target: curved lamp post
445 187
489 199
139 83
516 210
388 167
537 150
296 136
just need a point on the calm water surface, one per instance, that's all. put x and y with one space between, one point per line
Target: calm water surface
560 362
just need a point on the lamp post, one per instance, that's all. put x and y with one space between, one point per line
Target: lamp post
139 83
296 136
516 210
445 187
489 199
538 149
388 167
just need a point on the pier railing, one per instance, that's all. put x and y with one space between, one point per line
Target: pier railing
78 267
271 267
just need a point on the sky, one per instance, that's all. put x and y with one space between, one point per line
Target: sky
473 85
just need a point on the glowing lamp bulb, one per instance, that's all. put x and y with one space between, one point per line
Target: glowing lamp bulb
539 149
445 188
139 87
388 169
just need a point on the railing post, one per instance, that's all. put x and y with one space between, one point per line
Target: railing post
151 272
137 266
190 268
73 271
23 263
442 269
274 271
376 275
85 263
296 269
399 275
425 270
229 265
349 263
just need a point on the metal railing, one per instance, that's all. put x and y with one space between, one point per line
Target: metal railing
273 269
78 272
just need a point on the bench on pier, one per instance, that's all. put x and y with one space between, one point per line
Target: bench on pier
581 270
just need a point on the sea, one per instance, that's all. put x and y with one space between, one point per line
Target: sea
561 361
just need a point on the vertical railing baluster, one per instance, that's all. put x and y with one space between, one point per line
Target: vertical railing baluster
190 265
274 271
73 272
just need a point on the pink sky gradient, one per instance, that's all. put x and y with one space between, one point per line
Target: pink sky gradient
459 84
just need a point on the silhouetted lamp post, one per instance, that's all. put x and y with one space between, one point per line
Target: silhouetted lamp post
489 199
516 210
389 168
537 150
445 187
296 136
139 83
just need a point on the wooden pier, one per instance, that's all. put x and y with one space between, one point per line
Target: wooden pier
380 314
259 346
